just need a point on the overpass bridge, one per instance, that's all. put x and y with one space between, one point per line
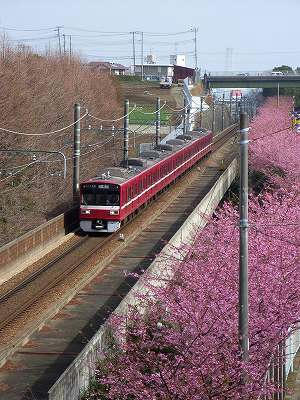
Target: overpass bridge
238 81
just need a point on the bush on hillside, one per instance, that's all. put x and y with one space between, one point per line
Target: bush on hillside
38 93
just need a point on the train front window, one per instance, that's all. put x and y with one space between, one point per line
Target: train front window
100 195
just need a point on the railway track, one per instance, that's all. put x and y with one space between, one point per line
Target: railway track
21 297
73 323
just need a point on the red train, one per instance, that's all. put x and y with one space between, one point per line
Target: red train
111 198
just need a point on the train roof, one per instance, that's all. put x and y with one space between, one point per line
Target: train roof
147 159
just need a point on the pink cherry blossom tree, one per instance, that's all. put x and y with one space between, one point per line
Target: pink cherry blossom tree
186 344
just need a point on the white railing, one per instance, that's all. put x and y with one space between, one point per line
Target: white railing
292 346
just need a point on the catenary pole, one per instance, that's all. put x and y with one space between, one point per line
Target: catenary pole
76 155
243 258
133 51
126 139
142 55
223 103
157 122
230 109
213 117
201 111
188 117
278 90
184 126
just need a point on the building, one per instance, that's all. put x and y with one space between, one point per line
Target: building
105 66
175 70
182 73
176 59
154 71
151 59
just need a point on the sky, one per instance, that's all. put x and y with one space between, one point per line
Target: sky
261 33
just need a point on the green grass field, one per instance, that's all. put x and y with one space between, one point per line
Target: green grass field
137 116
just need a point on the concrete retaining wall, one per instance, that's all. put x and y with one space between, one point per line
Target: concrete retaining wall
38 238
79 373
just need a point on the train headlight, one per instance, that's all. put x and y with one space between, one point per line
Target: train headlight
85 211
114 212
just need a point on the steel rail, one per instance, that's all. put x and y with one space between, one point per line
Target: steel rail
222 138
51 284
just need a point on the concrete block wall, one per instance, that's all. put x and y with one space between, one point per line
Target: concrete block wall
79 373
38 238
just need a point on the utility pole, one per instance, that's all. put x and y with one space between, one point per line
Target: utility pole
76 155
133 50
70 47
195 30
64 36
243 259
157 122
278 94
58 35
236 108
142 55
126 139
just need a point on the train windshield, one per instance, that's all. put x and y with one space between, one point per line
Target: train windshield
94 194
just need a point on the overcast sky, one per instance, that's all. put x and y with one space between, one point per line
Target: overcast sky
262 33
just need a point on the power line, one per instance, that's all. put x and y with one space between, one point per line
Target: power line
31 39
27 30
271 134
112 120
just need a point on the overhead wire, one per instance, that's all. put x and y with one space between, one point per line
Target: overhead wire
154 112
271 134
112 120
180 109
45 133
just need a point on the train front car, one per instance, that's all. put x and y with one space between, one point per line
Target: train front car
99 206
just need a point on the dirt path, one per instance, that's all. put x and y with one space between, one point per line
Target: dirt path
145 93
